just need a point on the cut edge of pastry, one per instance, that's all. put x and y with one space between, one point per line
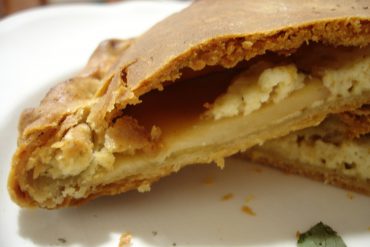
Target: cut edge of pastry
106 94
335 152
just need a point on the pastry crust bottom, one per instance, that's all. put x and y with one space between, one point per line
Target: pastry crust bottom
319 174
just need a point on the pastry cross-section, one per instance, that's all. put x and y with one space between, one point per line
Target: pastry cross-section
210 81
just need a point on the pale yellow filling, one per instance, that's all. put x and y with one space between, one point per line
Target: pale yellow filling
263 83
352 79
349 157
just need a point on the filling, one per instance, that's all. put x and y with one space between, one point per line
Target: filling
335 145
203 119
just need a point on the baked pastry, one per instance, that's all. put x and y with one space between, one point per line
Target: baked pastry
337 151
214 79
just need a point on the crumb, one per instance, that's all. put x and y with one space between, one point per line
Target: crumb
350 195
297 234
248 210
155 233
173 244
208 180
245 208
62 240
144 187
227 197
248 199
220 162
125 240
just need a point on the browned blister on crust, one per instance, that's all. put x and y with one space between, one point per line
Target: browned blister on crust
209 34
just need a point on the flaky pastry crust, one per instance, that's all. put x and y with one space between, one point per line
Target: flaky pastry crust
208 33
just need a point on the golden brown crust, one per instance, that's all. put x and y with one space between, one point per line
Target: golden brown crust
182 40
223 33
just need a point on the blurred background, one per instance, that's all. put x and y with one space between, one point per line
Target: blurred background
8 7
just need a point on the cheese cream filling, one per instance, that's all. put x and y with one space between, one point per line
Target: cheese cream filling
315 147
236 112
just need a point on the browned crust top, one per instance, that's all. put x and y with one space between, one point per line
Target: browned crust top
206 21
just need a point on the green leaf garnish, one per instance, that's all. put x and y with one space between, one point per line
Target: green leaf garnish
320 235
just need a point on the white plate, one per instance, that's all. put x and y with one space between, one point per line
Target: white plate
38 48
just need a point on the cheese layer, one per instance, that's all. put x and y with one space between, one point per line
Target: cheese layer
321 148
